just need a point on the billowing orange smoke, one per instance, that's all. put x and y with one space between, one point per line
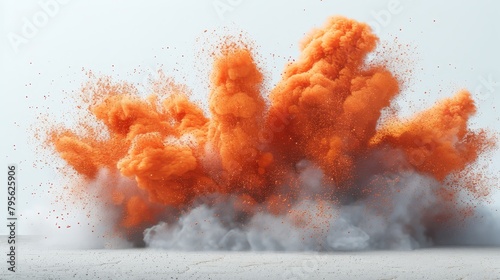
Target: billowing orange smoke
329 102
325 110
437 141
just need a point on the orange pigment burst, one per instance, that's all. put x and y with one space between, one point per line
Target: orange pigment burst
326 110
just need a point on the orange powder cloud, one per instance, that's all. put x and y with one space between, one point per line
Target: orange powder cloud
325 110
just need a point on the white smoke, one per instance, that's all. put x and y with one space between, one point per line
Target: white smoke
482 229
394 216
390 219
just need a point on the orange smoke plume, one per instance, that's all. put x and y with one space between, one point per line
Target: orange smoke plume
326 110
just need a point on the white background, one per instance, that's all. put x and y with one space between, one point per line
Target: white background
453 45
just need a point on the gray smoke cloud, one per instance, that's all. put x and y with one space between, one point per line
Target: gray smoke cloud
395 215
396 218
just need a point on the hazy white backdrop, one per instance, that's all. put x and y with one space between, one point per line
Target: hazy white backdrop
45 44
